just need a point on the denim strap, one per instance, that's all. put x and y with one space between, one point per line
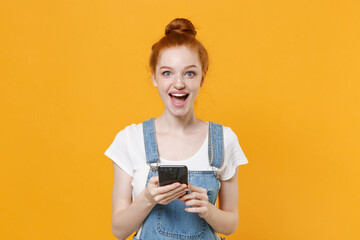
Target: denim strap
151 150
216 144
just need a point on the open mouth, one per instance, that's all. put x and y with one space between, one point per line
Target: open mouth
178 99
179 96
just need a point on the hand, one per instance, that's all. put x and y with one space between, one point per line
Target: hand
165 194
198 200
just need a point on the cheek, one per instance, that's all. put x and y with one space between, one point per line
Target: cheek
162 89
195 85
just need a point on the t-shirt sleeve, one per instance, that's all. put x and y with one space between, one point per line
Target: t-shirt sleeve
233 155
119 150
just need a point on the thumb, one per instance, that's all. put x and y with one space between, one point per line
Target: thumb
154 180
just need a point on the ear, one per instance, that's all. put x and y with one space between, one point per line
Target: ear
202 79
153 79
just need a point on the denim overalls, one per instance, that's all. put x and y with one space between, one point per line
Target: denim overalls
171 221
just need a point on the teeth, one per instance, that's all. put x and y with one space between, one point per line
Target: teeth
178 95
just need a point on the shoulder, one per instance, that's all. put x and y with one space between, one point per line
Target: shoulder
229 134
130 131
233 154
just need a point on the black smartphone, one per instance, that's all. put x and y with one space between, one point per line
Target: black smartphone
169 174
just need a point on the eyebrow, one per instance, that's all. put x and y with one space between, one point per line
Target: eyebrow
190 66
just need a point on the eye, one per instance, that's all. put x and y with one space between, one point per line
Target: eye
190 74
166 73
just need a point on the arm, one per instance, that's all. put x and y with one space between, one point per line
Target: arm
224 219
128 216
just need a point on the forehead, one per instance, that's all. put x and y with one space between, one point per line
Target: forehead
178 57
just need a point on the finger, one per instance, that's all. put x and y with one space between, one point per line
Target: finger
172 197
195 195
196 189
177 192
166 198
196 203
187 197
154 180
166 188
181 198
196 209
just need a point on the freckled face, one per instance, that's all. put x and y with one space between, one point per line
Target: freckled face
178 78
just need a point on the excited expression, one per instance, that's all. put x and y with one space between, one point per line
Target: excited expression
178 78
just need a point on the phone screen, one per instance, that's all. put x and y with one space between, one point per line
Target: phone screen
169 174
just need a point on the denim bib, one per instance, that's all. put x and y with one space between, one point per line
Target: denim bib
171 221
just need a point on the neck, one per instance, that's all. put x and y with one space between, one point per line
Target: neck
170 123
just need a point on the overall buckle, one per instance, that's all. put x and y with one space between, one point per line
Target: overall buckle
216 172
153 167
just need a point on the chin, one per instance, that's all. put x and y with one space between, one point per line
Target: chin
179 112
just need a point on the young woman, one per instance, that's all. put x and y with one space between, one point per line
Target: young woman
211 152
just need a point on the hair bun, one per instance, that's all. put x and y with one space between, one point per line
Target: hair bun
180 25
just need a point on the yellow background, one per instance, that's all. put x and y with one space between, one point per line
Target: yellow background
284 75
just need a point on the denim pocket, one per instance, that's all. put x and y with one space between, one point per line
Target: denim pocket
174 221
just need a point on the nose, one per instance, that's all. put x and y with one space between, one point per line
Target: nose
179 82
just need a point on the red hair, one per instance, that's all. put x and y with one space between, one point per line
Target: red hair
179 32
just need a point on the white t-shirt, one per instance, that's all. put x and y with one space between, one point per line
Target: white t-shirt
128 152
